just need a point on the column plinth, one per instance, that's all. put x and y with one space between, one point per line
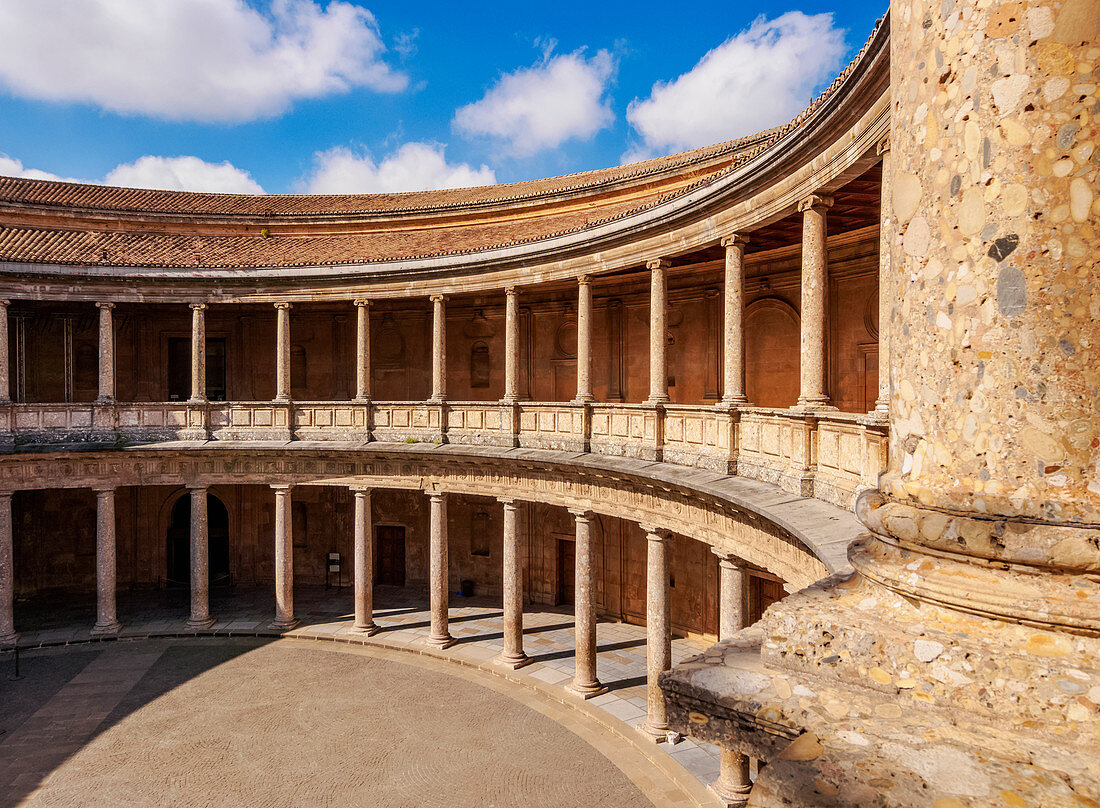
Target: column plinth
284 561
439 592
513 655
733 322
439 349
362 351
364 566
584 340
585 683
814 304
200 561
282 352
658 636
658 332
7 573
106 623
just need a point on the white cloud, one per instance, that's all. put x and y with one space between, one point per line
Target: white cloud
183 174
193 60
540 107
760 78
413 167
165 173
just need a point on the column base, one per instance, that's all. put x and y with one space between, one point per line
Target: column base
587 690
513 661
445 641
583 400
106 629
822 403
365 631
200 624
8 640
652 402
729 796
735 401
284 625
659 733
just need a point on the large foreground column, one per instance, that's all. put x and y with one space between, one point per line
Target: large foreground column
585 682
584 339
814 300
7 573
364 565
284 560
106 353
105 564
200 561
658 632
439 591
733 325
733 784
439 348
658 365
513 654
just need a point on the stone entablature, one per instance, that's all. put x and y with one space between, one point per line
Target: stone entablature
824 454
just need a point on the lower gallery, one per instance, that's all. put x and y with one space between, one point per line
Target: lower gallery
763 474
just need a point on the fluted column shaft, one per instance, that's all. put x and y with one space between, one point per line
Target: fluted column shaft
584 339
364 565
658 631
438 563
284 559
198 352
5 373
814 300
106 353
362 350
105 564
658 304
439 348
513 654
733 321
511 344
200 560
282 352
7 572
585 681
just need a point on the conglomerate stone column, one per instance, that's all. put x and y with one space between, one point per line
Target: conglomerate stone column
658 304
105 564
585 682
584 339
282 352
284 560
733 330
658 632
362 350
513 654
5 377
7 573
511 345
439 348
364 565
106 353
814 296
885 262
734 783
198 353
200 560
438 571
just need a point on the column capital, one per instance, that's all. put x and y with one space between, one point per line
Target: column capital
735 240
654 533
198 486
197 306
437 496
281 488
581 515
658 263
104 305
511 291
282 304
102 490
362 302
437 298
584 280
815 202
361 490
4 302
6 495
883 146
508 502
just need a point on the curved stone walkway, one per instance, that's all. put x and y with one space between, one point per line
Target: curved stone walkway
476 625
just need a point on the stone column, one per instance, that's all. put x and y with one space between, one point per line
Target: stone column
364 565
7 573
5 383
733 322
512 655
511 345
885 243
200 561
584 339
105 564
658 366
106 353
282 352
198 353
439 593
658 632
439 349
585 682
362 350
733 784
815 278
284 560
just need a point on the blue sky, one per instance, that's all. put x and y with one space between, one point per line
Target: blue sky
308 95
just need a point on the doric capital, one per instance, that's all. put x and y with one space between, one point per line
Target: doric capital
282 304
361 490
281 488
361 302
508 502
735 240
658 263
102 491
197 306
104 305
580 515
815 202
195 486
654 533
437 496
437 298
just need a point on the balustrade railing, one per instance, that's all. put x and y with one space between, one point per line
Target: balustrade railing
825 454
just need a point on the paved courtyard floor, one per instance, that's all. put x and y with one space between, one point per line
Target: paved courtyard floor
370 696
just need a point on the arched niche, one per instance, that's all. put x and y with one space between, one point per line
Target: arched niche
772 345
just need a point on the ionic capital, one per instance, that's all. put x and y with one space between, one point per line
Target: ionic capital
437 298
104 305
735 240
658 263
4 303
361 490
815 202
282 305
197 306
361 302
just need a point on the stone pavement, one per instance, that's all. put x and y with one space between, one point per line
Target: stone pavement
476 623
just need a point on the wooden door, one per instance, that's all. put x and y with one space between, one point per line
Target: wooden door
763 592
567 572
390 569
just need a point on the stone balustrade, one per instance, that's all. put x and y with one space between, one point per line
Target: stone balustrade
820 453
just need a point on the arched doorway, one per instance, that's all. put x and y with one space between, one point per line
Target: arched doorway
179 542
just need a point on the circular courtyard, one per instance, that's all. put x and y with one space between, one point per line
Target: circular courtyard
288 723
